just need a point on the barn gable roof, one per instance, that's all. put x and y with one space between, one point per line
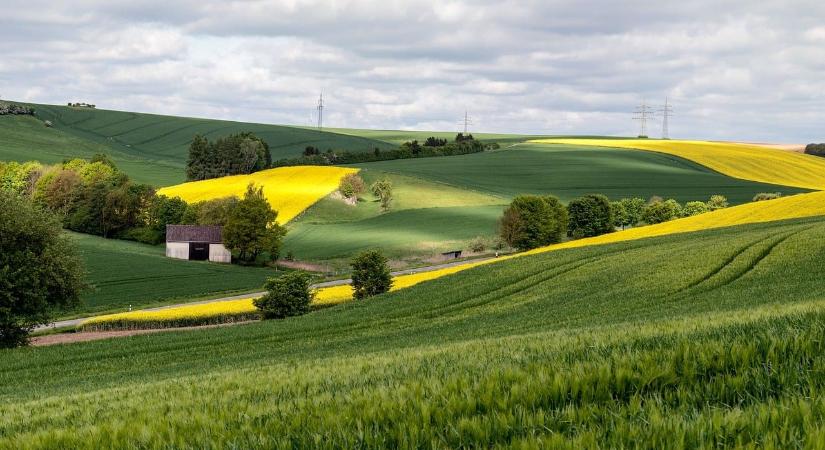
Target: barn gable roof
194 233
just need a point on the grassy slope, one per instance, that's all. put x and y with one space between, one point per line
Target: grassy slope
570 171
705 338
426 217
127 273
478 186
160 143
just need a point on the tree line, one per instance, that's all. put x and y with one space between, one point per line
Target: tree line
532 221
815 149
432 147
236 154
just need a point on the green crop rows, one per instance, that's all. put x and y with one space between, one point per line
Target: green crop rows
703 339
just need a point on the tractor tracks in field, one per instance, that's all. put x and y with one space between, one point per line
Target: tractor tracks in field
739 264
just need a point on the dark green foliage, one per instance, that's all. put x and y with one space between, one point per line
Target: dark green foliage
815 149
407 150
39 269
659 211
433 141
461 137
210 212
590 215
370 274
532 221
13 109
288 295
160 211
239 153
247 230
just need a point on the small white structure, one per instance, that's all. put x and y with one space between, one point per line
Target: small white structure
197 243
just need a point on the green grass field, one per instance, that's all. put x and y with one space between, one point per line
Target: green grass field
128 273
708 339
444 203
571 171
153 148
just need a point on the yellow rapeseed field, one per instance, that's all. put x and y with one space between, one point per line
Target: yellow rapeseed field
290 190
748 162
744 161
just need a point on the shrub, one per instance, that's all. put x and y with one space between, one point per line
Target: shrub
590 215
352 185
661 211
40 270
532 221
762 196
815 149
288 295
717 202
478 244
694 208
370 274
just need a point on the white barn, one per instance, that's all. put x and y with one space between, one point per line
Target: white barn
197 243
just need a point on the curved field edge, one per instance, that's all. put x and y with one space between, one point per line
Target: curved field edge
743 161
794 207
290 190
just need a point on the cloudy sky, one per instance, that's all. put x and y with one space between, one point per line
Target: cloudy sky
739 70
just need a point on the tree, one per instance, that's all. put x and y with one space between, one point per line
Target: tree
246 228
433 141
619 214
633 208
532 221
288 295
40 270
660 211
717 202
590 215
352 185
370 274
274 240
383 190
210 212
694 208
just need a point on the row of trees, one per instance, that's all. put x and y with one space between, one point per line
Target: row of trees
433 147
815 149
532 221
15 109
239 153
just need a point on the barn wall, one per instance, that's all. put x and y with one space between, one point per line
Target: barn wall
219 253
178 250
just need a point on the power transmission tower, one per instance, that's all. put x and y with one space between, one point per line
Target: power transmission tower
321 111
667 113
467 121
643 113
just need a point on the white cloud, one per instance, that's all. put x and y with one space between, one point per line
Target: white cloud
734 69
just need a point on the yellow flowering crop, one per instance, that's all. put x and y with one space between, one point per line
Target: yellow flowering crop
289 190
744 161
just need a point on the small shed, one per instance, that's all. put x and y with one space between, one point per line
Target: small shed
197 243
453 254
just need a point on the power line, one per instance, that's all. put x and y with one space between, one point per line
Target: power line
643 113
667 113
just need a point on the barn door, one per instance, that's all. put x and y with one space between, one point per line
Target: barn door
198 251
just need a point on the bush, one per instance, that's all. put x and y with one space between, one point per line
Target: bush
478 244
694 208
532 221
661 211
762 196
40 270
590 215
370 274
288 295
352 185
717 202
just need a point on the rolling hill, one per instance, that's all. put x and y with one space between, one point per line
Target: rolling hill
153 148
686 338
